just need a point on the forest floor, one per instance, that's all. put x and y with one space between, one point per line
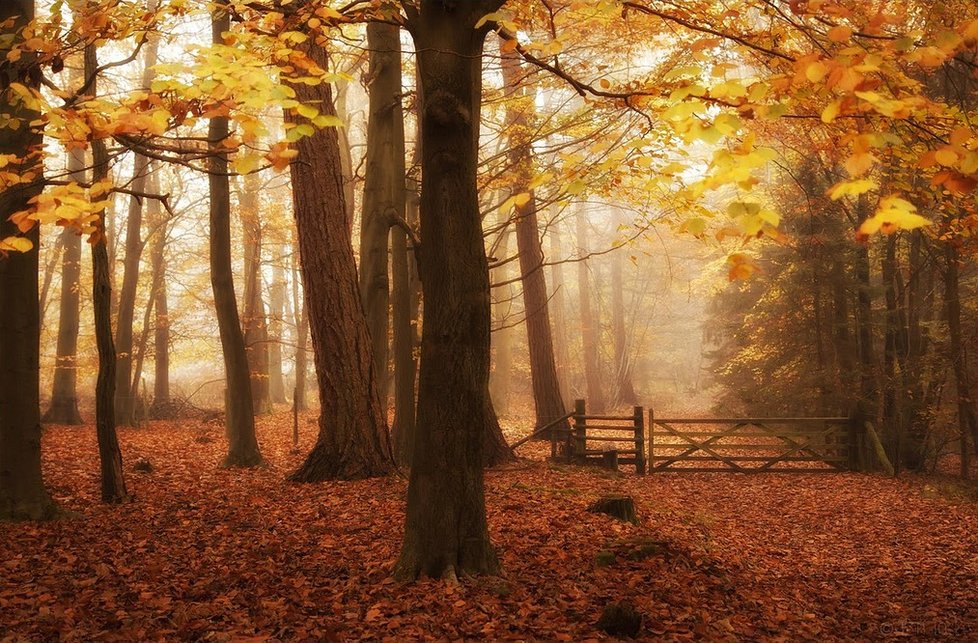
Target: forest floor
211 554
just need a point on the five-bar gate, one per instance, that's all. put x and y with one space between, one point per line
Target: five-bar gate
741 445
751 445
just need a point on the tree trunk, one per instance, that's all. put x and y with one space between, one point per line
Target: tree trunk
239 412
383 190
353 441
868 386
254 321
125 402
625 391
547 400
64 396
124 405
501 376
276 302
22 492
967 419
346 152
161 324
590 331
561 355
301 330
110 455
445 531
404 279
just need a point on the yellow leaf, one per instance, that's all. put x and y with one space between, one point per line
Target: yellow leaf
308 111
831 111
245 163
850 188
892 214
816 71
15 244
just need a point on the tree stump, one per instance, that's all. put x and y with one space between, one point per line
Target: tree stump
609 459
620 619
142 465
620 507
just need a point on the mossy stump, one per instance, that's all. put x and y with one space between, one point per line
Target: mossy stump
617 506
620 619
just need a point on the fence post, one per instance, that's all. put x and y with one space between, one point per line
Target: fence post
579 439
651 463
639 440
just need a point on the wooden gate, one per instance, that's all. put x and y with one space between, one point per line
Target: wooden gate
751 445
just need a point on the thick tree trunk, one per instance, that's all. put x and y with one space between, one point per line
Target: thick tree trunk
445 531
353 441
22 492
383 190
254 321
590 332
110 455
547 399
239 411
64 396
967 418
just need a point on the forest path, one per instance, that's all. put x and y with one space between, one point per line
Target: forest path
206 553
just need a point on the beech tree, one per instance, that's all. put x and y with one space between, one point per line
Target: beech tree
445 531
64 395
547 399
22 492
238 406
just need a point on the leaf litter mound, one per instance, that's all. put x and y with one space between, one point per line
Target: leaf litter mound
213 554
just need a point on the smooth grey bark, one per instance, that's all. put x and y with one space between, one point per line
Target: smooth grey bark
110 455
125 400
383 190
239 417
64 393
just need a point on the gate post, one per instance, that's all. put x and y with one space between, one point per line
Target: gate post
651 463
639 440
579 438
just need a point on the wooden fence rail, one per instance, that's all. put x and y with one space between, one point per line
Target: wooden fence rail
744 445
